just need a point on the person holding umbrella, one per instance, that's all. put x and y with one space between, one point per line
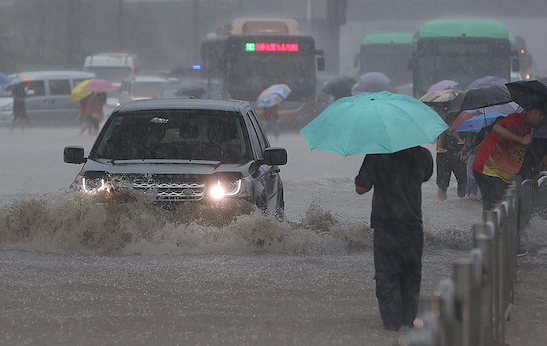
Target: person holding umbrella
501 155
269 100
389 128
19 106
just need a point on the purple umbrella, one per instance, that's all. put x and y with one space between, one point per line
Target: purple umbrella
375 77
446 84
487 81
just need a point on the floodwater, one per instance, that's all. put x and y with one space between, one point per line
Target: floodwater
77 270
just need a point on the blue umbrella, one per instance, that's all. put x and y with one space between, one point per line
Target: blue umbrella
273 95
373 123
4 79
477 123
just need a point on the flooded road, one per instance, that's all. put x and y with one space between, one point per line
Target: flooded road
79 271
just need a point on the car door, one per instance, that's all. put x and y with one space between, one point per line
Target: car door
48 103
269 175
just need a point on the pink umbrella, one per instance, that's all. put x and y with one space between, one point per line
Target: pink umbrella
99 85
375 77
446 84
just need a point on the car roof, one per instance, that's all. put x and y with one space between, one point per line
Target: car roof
176 103
39 75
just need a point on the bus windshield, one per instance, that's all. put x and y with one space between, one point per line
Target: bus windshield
392 60
463 61
249 75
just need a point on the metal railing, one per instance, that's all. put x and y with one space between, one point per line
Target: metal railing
471 308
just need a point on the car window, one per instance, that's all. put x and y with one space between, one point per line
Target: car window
256 133
36 88
185 134
77 81
59 87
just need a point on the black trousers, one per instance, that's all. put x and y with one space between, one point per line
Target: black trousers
448 163
398 266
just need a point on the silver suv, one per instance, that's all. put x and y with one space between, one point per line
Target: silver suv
184 150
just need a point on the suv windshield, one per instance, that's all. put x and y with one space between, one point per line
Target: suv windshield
174 134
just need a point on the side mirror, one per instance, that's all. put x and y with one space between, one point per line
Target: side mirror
74 154
275 156
320 63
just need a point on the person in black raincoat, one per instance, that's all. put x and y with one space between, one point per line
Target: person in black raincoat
396 218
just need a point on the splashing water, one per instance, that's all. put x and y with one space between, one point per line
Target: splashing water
78 223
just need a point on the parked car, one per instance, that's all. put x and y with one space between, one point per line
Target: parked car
184 150
141 87
48 97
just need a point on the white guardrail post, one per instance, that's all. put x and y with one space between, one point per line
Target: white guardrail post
471 308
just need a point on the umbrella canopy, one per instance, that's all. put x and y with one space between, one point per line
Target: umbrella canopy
477 123
463 116
79 92
339 86
18 80
99 85
375 77
446 84
190 89
480 98
441 96
373 123
4 79
273 95
487 81
528 94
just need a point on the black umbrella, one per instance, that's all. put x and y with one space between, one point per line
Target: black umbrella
339 86
528 94
480 98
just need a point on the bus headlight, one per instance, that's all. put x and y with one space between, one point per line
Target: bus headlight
225 188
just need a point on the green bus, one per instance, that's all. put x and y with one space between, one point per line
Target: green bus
462 50
387 52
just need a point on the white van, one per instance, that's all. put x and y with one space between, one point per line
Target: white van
142 87
48 98
114 67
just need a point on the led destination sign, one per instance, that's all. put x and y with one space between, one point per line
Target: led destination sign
270 47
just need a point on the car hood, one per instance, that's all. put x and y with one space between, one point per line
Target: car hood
164 167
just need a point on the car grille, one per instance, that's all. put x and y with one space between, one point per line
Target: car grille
171 191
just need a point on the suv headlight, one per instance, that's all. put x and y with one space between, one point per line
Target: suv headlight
95 185
94 182
225 188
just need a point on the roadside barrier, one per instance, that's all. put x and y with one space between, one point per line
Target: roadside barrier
472 307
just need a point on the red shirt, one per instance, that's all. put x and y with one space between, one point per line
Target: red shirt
499 157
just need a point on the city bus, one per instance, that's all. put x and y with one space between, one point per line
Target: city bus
461 50
244 58
388 52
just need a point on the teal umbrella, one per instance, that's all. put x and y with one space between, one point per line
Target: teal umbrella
373 123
